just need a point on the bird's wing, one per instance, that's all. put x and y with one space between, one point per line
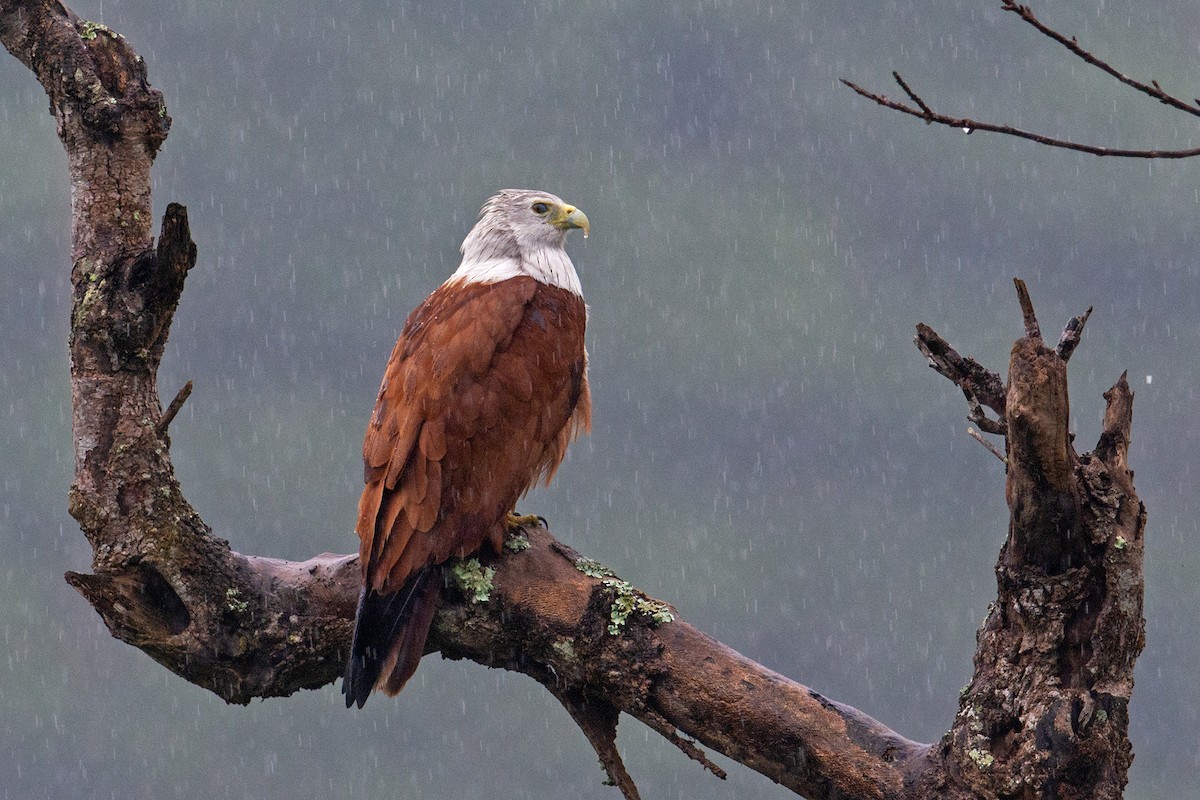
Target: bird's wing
435 380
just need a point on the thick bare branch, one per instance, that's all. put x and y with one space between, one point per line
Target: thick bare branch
548 615
1041 490
812 745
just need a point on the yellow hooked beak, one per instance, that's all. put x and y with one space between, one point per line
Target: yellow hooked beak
568 216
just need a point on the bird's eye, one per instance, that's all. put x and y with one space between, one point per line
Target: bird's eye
540 208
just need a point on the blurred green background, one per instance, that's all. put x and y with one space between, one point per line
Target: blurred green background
770 452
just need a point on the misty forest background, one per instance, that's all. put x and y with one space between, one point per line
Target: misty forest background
770 452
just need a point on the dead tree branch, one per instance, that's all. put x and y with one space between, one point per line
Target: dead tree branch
981 386
169 415
1072 333
924 111
991 448
1045 715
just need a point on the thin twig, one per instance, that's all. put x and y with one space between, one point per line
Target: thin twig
914 97
1032 329
1152 89
165 421
980 417
687 746
968 125
991 448
1071 335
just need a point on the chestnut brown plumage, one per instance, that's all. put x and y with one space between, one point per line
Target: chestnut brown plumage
484 390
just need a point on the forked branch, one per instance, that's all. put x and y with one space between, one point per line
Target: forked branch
922 110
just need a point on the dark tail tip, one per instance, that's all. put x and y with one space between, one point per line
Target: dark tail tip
361 670
389 630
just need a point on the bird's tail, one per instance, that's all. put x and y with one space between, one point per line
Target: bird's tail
389 636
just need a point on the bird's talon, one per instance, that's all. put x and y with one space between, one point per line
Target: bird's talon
518 521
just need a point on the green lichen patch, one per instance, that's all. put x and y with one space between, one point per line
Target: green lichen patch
593 568
1121 543
517 542
982 760
628 601
90 29
234 602
474 579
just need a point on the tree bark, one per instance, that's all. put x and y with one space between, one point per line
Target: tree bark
1047 711
1046 714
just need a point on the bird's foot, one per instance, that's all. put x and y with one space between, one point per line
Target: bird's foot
516 522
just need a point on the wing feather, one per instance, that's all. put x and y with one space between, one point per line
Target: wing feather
435 388
415 488
433 439
512 373
433 497
399 530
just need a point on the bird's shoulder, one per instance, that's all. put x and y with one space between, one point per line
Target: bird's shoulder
454 333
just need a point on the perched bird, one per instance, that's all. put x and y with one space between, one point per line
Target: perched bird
484 390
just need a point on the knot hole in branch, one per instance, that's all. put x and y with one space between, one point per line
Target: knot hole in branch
137 603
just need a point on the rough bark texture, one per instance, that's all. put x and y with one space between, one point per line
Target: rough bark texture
1046 714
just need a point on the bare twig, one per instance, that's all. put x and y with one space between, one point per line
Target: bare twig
687 746
980 417
968 125
1071 335
991 448
173 409
1152 89
915 98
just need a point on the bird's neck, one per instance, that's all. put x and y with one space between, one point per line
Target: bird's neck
549 265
